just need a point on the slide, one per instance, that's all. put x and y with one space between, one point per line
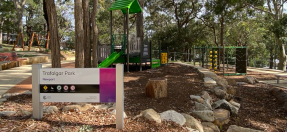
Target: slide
109 60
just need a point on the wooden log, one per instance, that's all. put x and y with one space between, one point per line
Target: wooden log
156 88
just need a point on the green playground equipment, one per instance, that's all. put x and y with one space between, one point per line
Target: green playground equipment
109 60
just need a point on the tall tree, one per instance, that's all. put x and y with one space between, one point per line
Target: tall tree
139 22
19 5
79 34
54 36
95 33
87 34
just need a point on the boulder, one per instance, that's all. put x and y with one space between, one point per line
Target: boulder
222 94
190 129
234 128
221 117
209 82
231 90
151 115
50 109
7 113
113 112
205 95
231 82
210 127
234 103
225 105
172 115
72 108
207 103
281 96
251 80
192 122
221 82
156 88
196 98
200 106
241 83
101 107
205 115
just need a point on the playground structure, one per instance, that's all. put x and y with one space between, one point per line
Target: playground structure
235 58
126 48
34 34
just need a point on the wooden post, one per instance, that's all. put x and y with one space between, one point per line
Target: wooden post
16 42
47 43
156 88
128 45
38 42
31 41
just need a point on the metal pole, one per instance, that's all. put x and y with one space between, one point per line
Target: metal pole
128 45
174 56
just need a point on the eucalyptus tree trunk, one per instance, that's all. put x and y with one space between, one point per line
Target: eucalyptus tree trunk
95 33
139 22
19 5
79 34
54 37
282 55
87 34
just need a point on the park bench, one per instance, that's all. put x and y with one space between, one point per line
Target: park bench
8 57
278 77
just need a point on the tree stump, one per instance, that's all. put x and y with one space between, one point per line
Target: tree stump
156 88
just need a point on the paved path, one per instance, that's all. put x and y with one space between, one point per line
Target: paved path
13 76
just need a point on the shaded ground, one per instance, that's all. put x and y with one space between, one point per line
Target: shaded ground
259 110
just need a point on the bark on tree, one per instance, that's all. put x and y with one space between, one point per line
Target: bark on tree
95 33
54 40
79 35
19 5
139 22
87 34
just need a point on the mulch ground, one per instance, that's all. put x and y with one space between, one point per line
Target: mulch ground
259 109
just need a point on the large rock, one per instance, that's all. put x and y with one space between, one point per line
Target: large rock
222 94
200 106
221 117
156 88
221 82
190 129
231 90
234 103
251 80
205 115
151 115
210 127
234 128
209 82
231 82
192 122
207 103
225 105
172 115
196 98
113 112
50 109
101 107
7 113
205 95
72 108
281 96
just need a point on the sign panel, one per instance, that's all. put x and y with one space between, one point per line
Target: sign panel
69 76
77 85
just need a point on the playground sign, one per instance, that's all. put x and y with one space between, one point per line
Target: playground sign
78 85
